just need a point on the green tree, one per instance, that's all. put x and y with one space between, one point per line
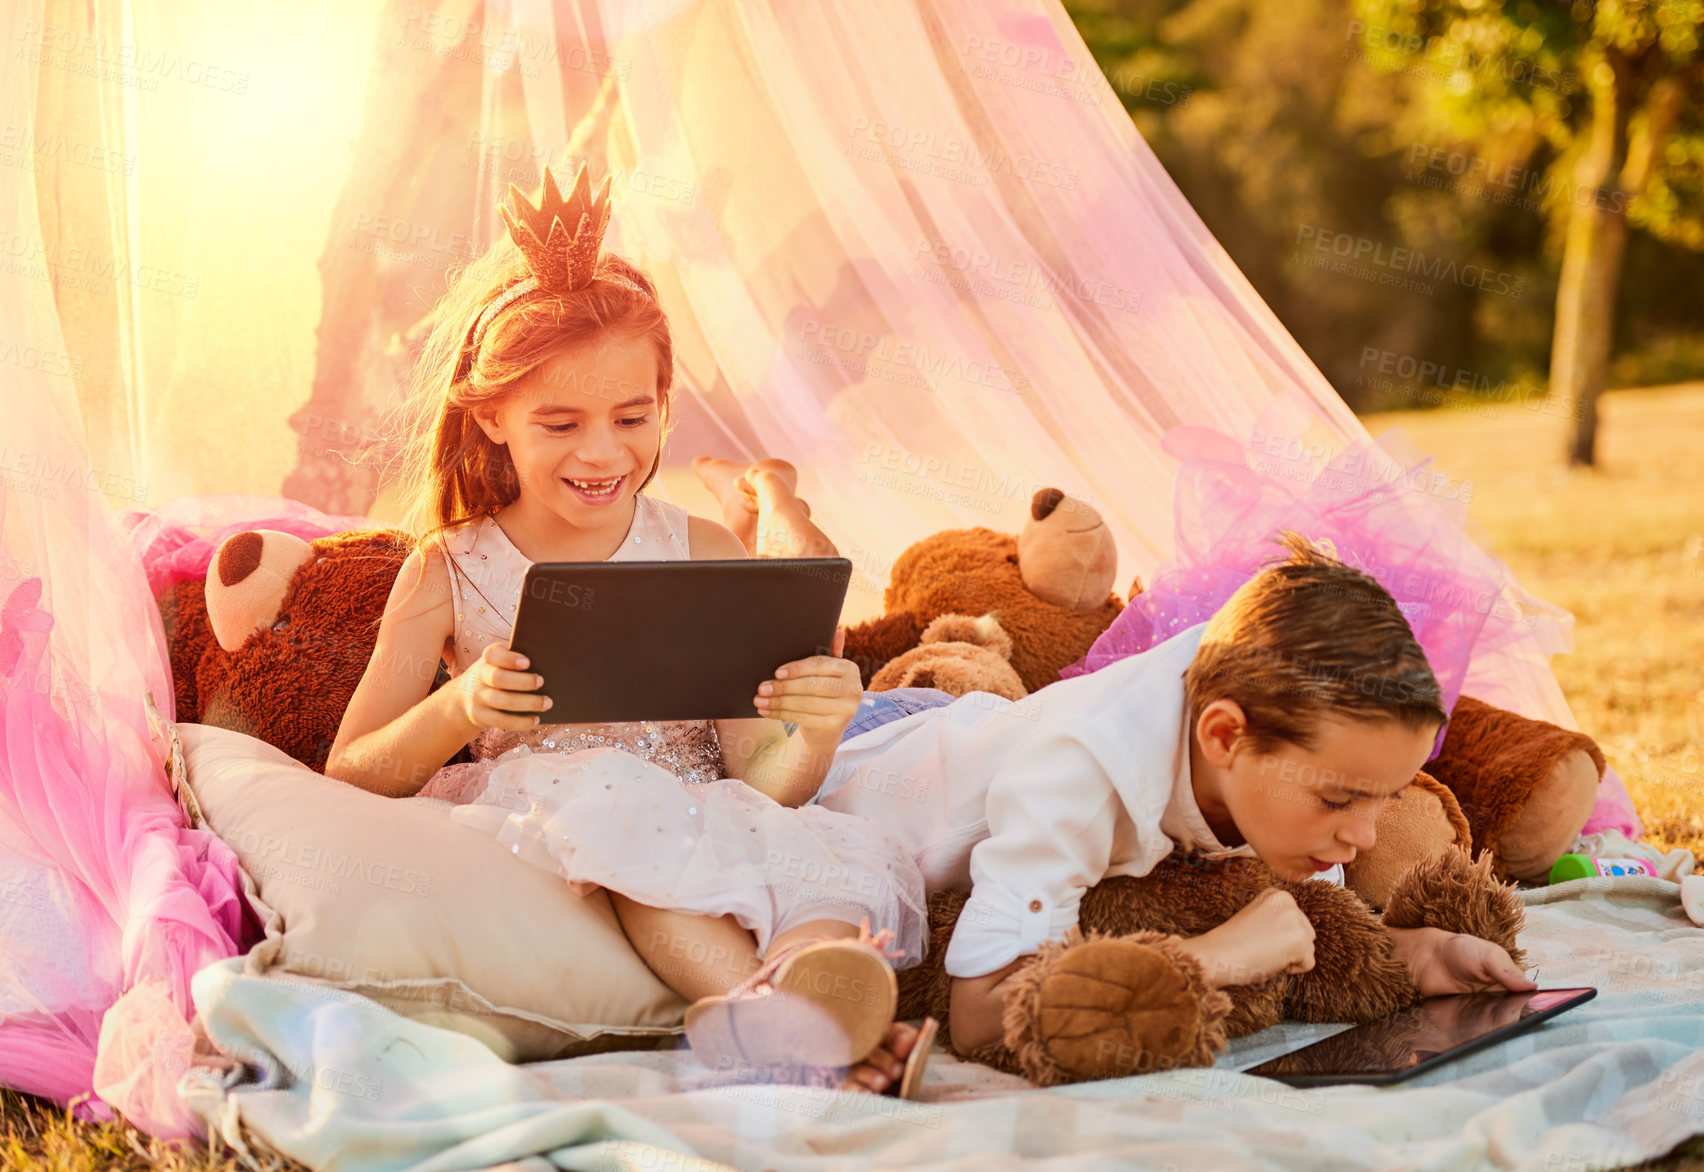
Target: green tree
1288 136
1614 86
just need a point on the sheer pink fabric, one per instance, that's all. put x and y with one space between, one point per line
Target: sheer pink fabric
178 540
108 903
915 246
1381 507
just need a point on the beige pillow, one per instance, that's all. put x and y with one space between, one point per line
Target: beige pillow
393 900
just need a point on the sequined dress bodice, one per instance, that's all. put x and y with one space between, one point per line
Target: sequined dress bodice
486 592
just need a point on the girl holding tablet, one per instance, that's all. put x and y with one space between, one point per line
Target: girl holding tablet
544 393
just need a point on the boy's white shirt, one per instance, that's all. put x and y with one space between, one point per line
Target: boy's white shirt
1086 779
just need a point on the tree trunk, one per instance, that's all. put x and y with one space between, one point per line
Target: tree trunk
1591 267
1597 233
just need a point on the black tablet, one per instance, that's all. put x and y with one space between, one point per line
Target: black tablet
621 641
1434 1032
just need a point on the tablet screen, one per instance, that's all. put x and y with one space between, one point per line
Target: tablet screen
685 640
1437 1029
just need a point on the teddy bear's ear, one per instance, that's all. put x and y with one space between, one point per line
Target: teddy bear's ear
1044 502
247 580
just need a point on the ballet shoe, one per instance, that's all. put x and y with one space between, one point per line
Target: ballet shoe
819 1003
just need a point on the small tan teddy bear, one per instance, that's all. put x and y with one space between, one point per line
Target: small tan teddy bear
957 654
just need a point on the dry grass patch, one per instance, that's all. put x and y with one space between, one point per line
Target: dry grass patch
36 1136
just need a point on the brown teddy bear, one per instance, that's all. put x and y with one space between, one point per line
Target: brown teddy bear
1525 786
1120 996
273 642
1050 587
1419 824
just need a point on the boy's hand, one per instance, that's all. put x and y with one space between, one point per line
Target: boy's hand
1441 963
820 694
494 689
1269 936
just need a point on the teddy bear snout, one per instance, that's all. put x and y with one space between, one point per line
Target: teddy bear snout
1065 552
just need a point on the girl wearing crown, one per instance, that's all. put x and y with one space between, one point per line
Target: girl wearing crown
543 395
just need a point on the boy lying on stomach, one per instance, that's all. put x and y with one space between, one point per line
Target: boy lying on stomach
1277 729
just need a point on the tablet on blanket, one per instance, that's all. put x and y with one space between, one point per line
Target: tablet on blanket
1420 1038
623 641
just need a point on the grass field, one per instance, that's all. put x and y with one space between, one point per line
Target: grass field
38 1137
1621 546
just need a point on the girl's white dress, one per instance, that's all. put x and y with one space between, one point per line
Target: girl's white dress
643 808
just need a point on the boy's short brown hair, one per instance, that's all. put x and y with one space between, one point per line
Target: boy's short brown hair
1308 637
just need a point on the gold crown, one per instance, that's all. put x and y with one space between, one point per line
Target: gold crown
560 238
559 260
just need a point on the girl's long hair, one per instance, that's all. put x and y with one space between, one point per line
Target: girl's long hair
451 472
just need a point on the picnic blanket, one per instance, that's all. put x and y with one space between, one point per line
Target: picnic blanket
339 1083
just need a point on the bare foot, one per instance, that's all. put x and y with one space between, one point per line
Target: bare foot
784 526
726 481
789 475
760 504
885 1065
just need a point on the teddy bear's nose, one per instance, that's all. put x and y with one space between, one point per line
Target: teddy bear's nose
1044 502
239 556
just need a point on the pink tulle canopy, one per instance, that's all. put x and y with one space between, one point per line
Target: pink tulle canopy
1381 506
914 246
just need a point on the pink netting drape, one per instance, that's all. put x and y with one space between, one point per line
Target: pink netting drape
108 903
915 246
